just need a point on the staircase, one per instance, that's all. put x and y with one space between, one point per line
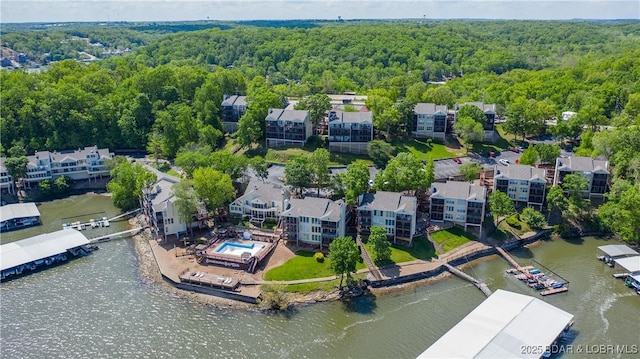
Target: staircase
367 260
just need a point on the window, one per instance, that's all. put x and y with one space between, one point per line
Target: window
448 216
450 208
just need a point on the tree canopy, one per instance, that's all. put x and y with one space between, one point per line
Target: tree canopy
343 256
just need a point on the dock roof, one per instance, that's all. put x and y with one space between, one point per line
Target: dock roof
42 246
18 210
500 327
630 264
618 250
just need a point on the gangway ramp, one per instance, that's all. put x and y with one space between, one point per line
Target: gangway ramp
479 284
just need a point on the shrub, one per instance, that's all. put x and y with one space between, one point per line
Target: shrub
513 222
533 218
319 256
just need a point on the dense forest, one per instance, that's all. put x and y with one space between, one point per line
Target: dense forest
174 85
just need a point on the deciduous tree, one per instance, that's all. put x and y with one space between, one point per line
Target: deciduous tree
380 245
319 167
343 257
297 174
470 170
469 130
213 187
500 205
529 156
356 180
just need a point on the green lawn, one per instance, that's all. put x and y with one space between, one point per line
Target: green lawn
325 286
501 144
452 238
422 151
418 147
303 266
524 228
422 249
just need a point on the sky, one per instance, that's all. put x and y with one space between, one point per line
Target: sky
16 11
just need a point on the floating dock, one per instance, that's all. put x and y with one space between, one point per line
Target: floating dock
534 278
45 250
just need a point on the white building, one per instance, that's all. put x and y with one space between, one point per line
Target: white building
430 120
312 220
524 184
566 116
81 164
458 202
350 131
6 182
595 171
261 200
158 206
393 211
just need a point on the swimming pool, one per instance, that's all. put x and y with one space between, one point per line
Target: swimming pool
236 249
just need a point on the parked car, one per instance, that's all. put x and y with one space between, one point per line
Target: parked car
457 160
515 149
504 162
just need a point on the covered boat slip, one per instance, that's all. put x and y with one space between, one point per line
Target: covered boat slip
18 215
500 327
617 251
629 264
40 247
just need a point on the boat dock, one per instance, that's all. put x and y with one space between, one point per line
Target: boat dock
18 216
535 278
94 223
480 285
108 237
40 252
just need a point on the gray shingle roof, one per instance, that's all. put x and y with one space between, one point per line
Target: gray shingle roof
429 108
235 100
353 117
314 207
79 154
458 190
265 192
388 201
583 164
483 106
520 172
287 115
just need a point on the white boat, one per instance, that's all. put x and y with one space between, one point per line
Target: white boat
105 223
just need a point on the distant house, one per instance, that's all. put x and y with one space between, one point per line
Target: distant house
523 184
430 120
490 114
261 200
595 171
233 107
314 221
6 182
81 164
566 116
461 203
393 211
350 131
287 127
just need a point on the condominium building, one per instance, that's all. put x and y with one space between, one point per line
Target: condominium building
287 127
233 107
430 120
158 205
459 202
6 181
313 220
490 114
350 131
595 171
81 164
261 200
393 211
523 184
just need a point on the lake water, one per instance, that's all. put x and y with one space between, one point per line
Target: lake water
99 306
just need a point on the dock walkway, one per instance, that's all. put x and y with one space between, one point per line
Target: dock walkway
480 285
509 259
109 236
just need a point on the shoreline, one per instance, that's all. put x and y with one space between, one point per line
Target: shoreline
150 273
